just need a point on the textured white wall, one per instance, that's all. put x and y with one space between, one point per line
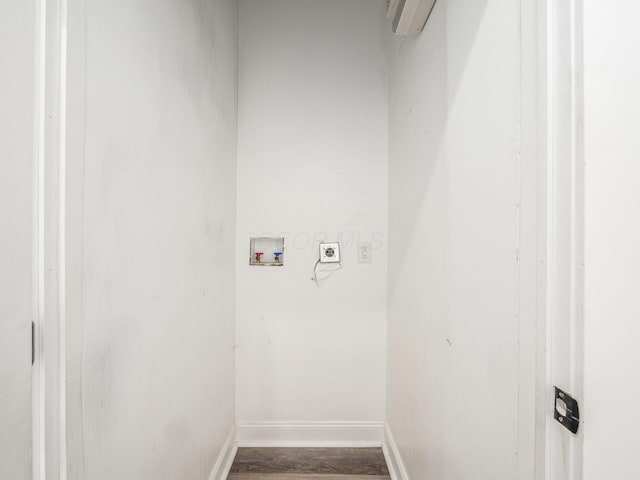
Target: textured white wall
612 237
452 391
312 164
154 398
17 25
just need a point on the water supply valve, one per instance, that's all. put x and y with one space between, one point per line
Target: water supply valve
276 255
258 255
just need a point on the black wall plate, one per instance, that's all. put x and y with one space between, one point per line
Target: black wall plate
566 411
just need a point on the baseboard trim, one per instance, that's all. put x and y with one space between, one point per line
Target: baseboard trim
223 464
395 464
310 434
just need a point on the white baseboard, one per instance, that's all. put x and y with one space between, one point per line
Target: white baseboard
396 467
310 434
225 459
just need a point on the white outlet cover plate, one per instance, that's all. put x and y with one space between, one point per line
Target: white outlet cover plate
364 252
330 252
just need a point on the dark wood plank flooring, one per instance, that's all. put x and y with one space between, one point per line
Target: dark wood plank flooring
309 464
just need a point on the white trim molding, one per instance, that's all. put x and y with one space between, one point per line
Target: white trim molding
397 470
562 255
49 373
310 434
223 464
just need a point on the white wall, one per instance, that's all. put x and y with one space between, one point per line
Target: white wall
155 396
16 170
312 164
454 187
612 236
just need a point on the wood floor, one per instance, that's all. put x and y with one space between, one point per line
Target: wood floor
309 464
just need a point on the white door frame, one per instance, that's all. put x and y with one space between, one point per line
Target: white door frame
561 225
49 425
552 107
550 241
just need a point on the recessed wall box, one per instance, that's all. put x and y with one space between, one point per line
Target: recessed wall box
266 251
330 252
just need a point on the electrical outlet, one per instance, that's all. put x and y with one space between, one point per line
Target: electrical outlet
330 252
364 252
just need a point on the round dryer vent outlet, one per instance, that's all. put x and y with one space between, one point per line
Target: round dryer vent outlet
330 252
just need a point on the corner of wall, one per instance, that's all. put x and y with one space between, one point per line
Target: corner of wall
225 459
397 470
